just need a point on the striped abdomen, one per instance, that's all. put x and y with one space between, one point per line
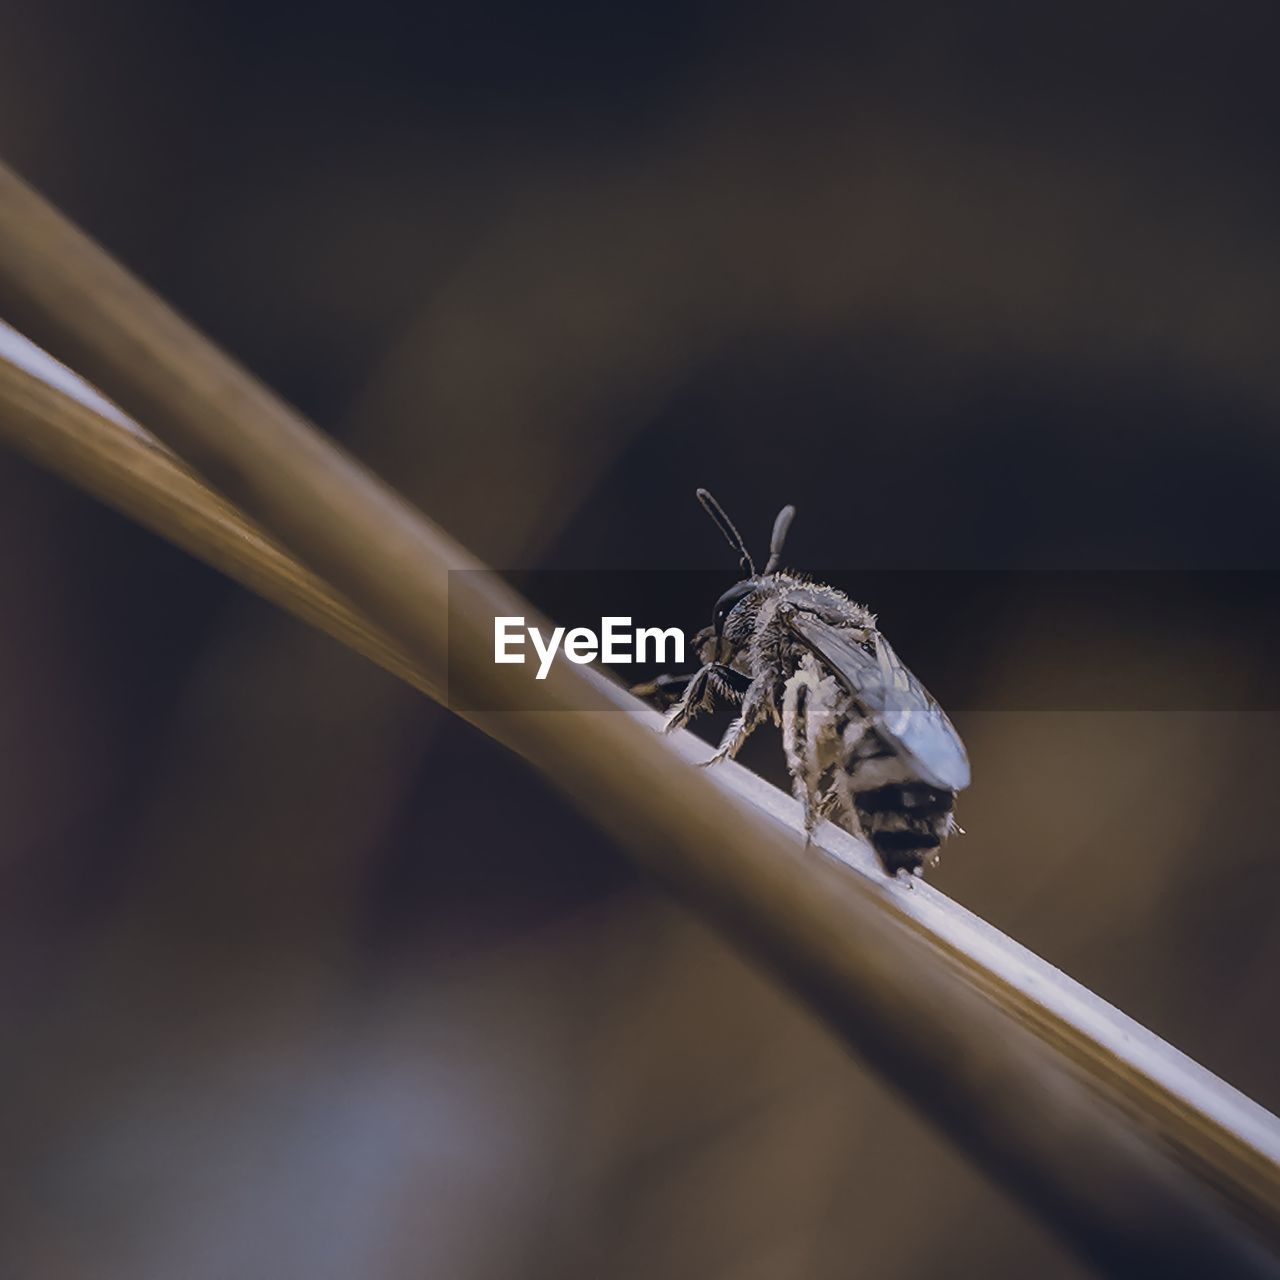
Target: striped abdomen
905 822
904 818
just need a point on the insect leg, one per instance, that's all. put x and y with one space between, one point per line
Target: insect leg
755 710
668 686
713 678
809 709
695 699
795 745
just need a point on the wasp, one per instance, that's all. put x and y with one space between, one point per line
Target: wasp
865 743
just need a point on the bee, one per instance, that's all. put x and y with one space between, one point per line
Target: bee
865 743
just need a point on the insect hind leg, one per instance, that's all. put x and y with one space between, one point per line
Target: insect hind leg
810 707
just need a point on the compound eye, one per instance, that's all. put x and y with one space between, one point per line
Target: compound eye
726 603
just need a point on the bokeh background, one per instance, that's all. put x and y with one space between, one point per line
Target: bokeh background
302 977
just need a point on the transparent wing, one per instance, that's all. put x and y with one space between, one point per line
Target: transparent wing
904 711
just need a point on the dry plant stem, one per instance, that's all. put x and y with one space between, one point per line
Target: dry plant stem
58 422
1142 1161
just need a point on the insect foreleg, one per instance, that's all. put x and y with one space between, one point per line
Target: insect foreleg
673 683
756 707
713 678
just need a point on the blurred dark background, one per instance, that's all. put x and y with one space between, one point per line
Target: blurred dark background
303 977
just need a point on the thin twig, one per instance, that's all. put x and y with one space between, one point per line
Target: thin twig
1142 1160
59 421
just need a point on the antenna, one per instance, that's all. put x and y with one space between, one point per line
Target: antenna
725 525
781 526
